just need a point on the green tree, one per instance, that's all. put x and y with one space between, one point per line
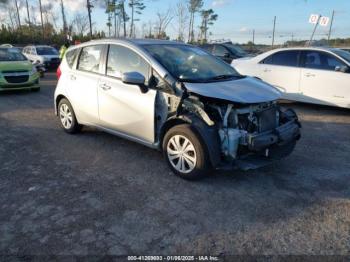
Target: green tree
136 7
194 6
208 18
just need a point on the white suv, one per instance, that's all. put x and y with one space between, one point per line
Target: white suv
176 98
42 54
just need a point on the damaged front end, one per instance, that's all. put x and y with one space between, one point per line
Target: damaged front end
245 136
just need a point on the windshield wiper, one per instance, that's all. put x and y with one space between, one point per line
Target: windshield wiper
222 77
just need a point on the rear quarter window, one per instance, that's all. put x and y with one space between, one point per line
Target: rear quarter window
71 56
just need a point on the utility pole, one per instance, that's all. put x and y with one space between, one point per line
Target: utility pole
330 27
42 21
313 32
253 36
65 27
89 6
18 16
28 12
273 31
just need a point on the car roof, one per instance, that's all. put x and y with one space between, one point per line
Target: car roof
137 42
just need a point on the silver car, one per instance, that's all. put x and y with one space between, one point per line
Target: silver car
176 98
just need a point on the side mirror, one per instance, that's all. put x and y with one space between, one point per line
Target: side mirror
343 69
135 78
227 55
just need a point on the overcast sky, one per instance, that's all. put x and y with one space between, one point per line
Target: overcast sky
238 18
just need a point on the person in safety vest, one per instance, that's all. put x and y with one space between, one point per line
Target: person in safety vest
63 50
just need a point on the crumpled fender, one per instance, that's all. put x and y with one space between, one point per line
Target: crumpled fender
208 135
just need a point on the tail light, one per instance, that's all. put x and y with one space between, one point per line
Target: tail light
58 73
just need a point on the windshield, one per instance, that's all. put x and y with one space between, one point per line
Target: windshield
343 54
11 54
236 50
46 51
191 64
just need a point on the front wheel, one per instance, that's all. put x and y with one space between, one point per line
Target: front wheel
67 117
185 153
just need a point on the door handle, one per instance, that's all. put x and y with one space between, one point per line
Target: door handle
310 75
72 77
105 87
267 70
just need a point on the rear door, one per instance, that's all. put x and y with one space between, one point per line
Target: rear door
321 83
282 70
83 83
122 107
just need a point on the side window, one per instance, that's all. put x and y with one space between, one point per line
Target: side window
33 51
220 50
89 59
122 60
70 57
284 58
208 48
321 60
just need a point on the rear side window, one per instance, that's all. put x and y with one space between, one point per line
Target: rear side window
123 60
320 60
89 59
70 57
208 48
284 58
220 50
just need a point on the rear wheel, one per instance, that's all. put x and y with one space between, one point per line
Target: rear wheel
67 117
185 153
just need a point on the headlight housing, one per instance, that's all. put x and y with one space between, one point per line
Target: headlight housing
34 71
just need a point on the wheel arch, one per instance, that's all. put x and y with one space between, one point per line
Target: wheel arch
208 135
57 101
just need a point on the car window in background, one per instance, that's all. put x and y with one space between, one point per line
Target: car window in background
9 54
284 58
190 64
237 50
89 59
321 60
123 60
70 56
46 51
220 50
343 54
208 48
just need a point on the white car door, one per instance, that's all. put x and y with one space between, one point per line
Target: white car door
321 80
123 107
282 70
83 84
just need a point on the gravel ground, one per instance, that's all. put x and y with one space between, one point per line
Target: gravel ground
97 194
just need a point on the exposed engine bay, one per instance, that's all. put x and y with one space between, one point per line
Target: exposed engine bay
244 130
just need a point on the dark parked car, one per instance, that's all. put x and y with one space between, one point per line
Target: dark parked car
225 51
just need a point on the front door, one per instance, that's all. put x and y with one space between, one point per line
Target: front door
321 83
122 107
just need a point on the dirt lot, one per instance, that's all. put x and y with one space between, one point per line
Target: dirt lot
94 193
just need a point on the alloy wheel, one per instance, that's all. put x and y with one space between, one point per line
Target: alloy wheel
66 116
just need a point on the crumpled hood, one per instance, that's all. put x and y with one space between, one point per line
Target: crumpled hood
247 90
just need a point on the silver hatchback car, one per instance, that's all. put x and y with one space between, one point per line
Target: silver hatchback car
176 98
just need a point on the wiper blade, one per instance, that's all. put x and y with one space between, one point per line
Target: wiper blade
219 77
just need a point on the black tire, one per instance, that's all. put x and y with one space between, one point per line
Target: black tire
202 163
74 126
37 89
